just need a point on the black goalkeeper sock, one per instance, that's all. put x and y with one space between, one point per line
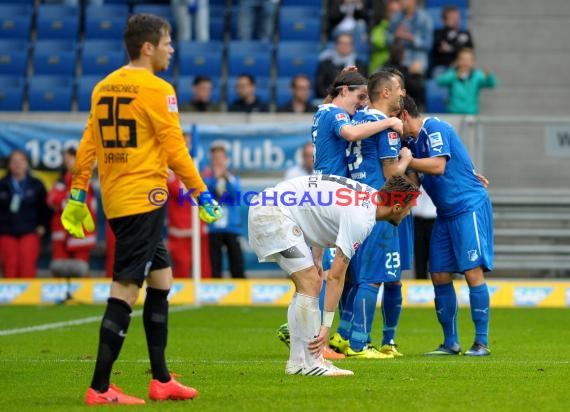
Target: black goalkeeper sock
112 334
155 319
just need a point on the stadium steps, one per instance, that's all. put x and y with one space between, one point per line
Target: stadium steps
532 232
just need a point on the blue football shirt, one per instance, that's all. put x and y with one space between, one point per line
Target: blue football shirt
458 190
365 156
329 145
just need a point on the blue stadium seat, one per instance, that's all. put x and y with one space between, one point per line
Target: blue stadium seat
297 57
106 21
436 97
435 14
58 22
303 3
200 58
299 23
85 85
50 93
252 57
184 89
217 27
101 57
26 2
441 3
14 56
15 21
57 57
162 10
167 76
12 90
262 89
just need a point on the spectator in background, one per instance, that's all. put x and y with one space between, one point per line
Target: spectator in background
449 39
424 217
301 91
256 19
306 167
413 28
65 246
201 96
413 76
379 50
180 230
465 82
332 61
226 231
192 19
24 217
348 16
247 101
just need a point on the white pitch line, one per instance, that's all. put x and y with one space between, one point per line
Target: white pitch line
486 361
75 322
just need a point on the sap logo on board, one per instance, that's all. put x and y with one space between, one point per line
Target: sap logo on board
215 293
420 294
55 292
268 293
464 293
8 293
530 296
174 290
101 292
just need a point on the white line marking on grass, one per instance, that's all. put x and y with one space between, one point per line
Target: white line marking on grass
75 322
346 363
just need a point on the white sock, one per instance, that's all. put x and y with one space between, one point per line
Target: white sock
307 320
296 351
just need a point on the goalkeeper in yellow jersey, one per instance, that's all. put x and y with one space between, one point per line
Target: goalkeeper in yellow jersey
134 133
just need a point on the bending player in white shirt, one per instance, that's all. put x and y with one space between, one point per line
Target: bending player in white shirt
319 211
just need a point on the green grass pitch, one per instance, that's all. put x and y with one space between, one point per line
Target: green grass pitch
232 356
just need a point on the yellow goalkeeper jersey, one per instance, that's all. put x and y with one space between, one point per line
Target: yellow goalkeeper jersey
134 133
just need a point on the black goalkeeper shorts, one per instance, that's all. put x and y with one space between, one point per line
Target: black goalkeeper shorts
139 248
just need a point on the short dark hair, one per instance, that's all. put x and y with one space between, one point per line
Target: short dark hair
378 81
12 154
410 106
350 79
201 78
399 184
142 28
299 76
248 76
71 151
448 9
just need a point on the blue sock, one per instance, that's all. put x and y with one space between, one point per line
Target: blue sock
480 308
446 308
391 309
322 298
364 311
345 308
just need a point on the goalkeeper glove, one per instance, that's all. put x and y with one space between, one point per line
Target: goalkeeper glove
76 214
209 210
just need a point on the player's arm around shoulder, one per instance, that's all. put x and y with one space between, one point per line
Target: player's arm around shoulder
354 133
